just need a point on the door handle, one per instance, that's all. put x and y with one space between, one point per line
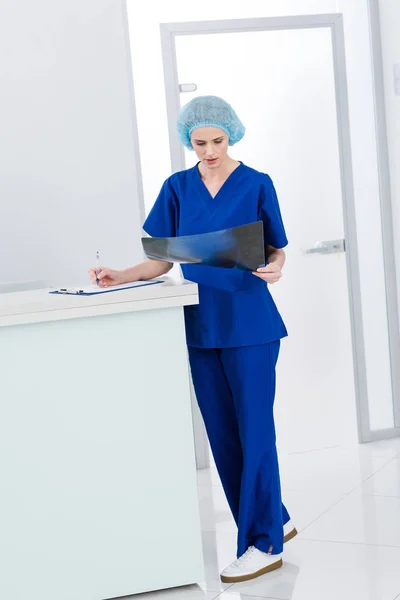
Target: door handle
327 247
187 87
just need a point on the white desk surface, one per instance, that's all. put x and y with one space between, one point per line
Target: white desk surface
35 306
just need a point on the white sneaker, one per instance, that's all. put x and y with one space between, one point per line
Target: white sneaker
289 532
250 565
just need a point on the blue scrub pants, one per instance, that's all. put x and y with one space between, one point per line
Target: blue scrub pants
235 389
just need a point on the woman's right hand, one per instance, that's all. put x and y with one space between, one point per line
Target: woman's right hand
106 277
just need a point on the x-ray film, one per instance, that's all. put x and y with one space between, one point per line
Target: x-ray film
237 248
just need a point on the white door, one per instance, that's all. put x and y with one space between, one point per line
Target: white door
281 84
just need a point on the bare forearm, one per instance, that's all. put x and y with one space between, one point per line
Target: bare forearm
277 256
146 270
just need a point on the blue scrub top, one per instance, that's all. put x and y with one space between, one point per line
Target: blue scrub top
235 307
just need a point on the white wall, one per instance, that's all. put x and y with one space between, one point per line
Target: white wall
369 228
68 184
153 135
390 28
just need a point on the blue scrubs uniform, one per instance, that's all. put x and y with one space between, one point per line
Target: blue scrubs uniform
233 338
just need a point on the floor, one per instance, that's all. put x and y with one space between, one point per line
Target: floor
345 502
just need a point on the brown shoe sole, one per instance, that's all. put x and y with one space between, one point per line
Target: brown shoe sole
289 536
268 569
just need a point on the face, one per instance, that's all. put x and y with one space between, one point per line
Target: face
211 146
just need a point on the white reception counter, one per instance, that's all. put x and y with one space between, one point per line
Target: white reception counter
98 490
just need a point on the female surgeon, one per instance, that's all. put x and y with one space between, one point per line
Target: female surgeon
234 334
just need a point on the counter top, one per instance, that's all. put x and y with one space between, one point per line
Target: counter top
35 306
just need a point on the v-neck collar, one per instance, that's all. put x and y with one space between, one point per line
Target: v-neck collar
206 194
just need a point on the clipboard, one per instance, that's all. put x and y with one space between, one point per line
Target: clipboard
95 291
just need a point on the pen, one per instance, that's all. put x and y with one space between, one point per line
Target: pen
97 266
70 291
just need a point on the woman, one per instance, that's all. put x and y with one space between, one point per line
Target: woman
234 334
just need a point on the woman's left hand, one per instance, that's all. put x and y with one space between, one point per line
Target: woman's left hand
271 273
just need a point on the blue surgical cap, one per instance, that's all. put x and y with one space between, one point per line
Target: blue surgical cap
209 111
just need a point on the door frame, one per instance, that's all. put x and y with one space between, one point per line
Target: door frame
334 22
385 197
